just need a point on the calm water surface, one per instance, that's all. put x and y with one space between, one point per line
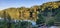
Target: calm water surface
54 27
51 27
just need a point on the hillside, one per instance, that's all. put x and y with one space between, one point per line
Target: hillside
48 10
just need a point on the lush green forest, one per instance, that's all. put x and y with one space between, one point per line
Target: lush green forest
45 14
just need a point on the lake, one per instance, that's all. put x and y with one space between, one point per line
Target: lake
51 27
54 27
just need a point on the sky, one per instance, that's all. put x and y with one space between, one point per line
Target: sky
19 3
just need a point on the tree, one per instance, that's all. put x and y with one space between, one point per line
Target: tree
40 19
50 22
4 15
25 24
9 21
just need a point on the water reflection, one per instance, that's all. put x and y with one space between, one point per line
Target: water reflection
50 27
54 27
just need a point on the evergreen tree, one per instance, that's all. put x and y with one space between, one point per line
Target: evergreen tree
9 21
40 19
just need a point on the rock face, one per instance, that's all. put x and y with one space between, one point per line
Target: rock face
31 13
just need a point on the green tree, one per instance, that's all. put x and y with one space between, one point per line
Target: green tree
50 22
9 21
25 24
40 19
